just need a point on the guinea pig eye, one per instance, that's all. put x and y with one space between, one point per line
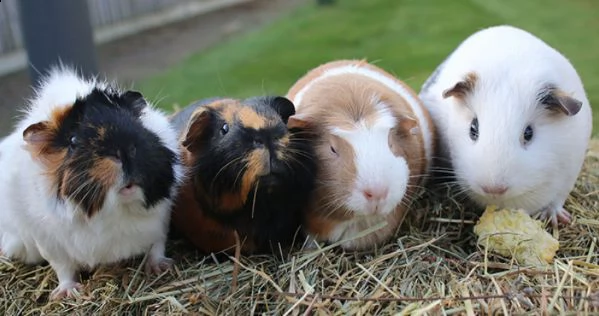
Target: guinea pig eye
224 129
474 129
527 135
73 141
334 151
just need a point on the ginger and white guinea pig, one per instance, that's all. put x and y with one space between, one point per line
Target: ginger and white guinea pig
374 149
89 176
249 173
513 120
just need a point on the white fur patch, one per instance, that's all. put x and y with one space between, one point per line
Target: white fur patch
376 165
391 84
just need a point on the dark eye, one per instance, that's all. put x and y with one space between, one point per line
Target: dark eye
224 129
474 129
73 141
333 150
527 135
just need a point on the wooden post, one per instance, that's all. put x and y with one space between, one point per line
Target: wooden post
325 2
57 30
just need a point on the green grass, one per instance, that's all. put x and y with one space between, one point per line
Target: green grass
408 38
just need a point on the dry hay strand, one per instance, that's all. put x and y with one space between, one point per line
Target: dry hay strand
432 266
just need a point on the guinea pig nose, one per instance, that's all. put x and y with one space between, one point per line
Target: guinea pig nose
258 141
495 190
375 194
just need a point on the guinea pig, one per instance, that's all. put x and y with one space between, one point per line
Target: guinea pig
513 121
374 149
89 176
249 173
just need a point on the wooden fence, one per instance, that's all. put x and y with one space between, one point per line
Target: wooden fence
102 13
110 19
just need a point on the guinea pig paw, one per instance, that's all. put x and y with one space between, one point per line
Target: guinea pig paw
557 215
65 290
159 265
562 216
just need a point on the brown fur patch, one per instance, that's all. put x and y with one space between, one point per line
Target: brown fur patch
38 142
336 177
321 227
66 175
296 122
254 169
249 118
38 137
231 201
461 89
204 232
104 171
199 120
227 108
196 128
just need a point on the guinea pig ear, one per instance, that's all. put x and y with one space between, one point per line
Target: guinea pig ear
283 106
198 129
38 139
38 134
298 122
135 101
461 89
408 125
558 101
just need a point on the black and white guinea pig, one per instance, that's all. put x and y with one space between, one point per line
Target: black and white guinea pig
89 175
513 120
249 172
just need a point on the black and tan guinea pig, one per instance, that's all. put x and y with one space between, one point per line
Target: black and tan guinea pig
251 170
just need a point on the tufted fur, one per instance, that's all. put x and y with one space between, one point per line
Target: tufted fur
89 176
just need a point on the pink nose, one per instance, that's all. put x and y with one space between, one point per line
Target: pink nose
376 194
495 190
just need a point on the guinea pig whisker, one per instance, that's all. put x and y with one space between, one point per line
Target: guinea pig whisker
86 186
450 177
462 191
331 206
415 186
298 152
419 175
441 158
254 199
92 190
241 171
407 202
295 160
223 169
81 187
444 170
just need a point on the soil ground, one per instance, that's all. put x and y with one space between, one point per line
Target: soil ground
152 51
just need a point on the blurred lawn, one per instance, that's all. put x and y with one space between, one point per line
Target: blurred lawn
408 38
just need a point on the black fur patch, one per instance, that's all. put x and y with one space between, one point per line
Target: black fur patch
107 124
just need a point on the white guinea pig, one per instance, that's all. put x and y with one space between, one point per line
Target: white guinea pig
88 177
513 120
374 149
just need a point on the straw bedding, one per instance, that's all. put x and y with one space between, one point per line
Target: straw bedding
432 266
